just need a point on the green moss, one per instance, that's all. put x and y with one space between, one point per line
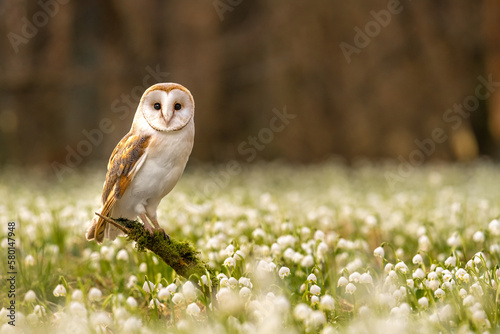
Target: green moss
180 255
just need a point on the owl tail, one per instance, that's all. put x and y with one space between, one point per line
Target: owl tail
98 230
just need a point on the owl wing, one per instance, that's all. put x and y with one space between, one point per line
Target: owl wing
126 159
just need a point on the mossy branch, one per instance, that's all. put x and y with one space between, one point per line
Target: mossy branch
180 255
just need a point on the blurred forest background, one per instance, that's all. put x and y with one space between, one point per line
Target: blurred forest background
67 64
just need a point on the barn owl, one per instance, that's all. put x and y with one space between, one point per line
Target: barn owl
147 163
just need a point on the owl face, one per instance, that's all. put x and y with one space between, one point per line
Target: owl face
165 107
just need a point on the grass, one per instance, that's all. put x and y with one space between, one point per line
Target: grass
264 234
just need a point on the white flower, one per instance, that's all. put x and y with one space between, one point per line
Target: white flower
131 302
171 288
424 302
244 281
29 260
230 250
454 240
462 275
410 283
245 292
193 310
342 281
354 277
451 261
350 288
78 309
468 300
365 278
417 259
233 282
224 282
418 273
439 293
77 295
132 324
478 236
321 250
59 291
143 267
94 294
188 290
148 286
319 235
379 252
388 268
164 294
203 280
229 262
462 293
424 243
314 300
315 319
301 311
284 272
315 290
275 249
39 310
30 296
178 298
132 281
476 288
307 261
401 266
154 302
312 278
327 303
122 255
494 227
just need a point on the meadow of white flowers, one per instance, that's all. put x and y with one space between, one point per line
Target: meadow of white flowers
314 249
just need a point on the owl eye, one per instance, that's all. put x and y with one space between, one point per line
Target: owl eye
177 106
157 106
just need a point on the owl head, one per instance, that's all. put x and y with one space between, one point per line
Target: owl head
165 107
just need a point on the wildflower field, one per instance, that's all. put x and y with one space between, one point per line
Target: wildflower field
302 249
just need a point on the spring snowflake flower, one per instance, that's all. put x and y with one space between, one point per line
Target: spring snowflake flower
77 295
132 324
478 236
193 310
284 272
148 286
379 252
244 281
477 289
366 278
122 255
307 261
462 275
451 261
418 273
171 288
315 290
424 243
39 310
468 300
417 259
354 277
178 298
388 267
454 240
494 227
424 302
30 296
229 250
245 292
401 266
154 302
327 303
29 260
224 282
439 293
233 282
239 255
410 283
312 278
301 311
143 267
319 235
131 302
59 291
203 280
342 281
189 291
229 262
78 309
350 288
321 250
94 294
314 300
164 294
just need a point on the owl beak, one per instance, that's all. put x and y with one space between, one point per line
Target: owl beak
168 116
